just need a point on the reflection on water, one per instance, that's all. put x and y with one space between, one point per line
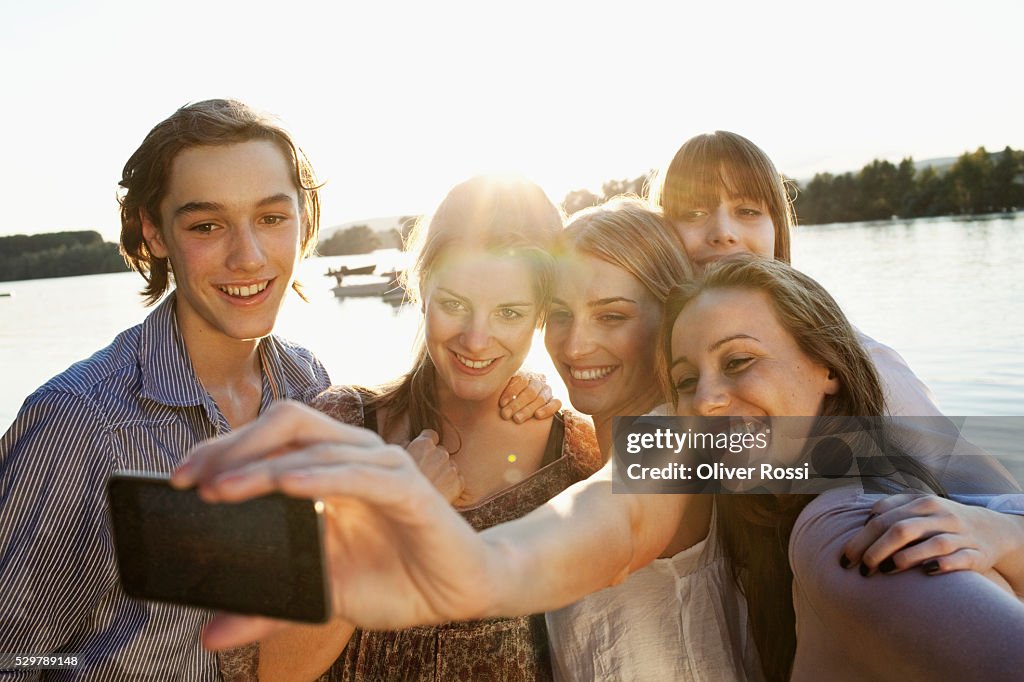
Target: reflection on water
947 294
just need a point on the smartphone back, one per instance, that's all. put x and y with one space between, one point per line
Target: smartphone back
262 556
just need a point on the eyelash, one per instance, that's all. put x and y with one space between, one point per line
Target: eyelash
559 316
506 314
680 388
696 214
735 364
207 228
687 383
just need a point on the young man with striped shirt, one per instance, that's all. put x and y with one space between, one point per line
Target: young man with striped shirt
220 198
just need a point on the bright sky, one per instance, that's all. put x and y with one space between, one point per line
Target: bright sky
395 102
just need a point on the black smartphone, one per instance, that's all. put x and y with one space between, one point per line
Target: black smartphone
263 556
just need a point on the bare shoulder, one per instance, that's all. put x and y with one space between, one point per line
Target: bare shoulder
906 625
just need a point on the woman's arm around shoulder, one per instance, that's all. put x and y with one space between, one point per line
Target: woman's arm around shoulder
344 403
897 627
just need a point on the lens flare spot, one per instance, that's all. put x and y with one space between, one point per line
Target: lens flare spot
513 476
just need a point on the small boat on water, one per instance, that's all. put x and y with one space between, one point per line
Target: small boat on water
345 271
359 290
387 287
6 294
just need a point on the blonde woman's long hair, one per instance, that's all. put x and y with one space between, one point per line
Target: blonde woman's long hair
626 233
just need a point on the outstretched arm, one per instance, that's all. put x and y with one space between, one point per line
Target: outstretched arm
398 554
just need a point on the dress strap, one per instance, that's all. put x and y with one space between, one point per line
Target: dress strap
556 440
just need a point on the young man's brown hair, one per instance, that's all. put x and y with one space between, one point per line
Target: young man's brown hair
211 122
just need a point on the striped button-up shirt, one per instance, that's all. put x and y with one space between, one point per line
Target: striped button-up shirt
136 404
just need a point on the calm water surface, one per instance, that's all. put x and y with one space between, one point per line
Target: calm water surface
947 294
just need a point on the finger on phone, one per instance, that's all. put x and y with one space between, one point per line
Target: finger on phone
285 426
262 477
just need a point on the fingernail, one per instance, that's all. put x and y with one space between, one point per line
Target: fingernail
505 414
843 561
887 566
519 419
504 402
930 567
864 570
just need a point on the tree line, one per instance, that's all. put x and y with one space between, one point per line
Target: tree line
977 182
57 254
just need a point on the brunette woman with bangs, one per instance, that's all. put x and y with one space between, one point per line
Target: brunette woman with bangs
725 197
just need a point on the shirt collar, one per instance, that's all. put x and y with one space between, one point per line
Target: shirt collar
274 379
167 373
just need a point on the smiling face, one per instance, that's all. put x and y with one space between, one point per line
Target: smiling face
480 313
731 357
231 230
601 333
735 225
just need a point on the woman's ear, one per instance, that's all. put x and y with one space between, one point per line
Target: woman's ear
831 382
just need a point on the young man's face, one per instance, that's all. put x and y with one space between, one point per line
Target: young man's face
232 226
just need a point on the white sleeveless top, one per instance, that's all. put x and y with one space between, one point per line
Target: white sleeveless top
681 618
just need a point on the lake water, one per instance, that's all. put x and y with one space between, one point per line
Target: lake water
947 294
